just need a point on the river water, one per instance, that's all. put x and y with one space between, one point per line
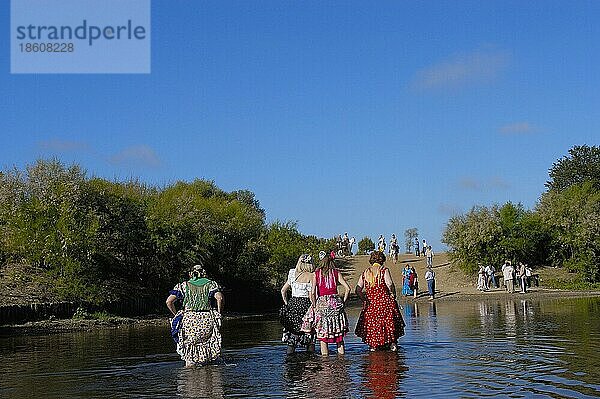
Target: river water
548 348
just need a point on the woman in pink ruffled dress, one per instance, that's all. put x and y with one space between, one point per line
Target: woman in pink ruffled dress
327 316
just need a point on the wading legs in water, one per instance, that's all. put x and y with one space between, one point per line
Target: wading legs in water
340 348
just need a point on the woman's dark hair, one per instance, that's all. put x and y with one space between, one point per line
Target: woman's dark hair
377 257
327 264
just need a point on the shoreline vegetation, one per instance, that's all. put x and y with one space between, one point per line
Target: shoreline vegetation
68 237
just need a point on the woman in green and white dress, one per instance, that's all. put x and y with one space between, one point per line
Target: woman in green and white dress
196 327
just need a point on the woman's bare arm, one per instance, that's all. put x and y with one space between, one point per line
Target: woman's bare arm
313 290
171 304
345 285
389 282
220 299
284 290
359 289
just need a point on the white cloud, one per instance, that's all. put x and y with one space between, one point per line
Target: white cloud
469 183
498 183
58 145
141 155
490 183
518 128
449 209
478 66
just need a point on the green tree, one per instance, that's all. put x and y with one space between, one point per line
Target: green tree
472 237
581 165
490 235
365 245
573 218
409 238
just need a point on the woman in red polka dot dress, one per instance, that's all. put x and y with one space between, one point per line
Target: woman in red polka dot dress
380 323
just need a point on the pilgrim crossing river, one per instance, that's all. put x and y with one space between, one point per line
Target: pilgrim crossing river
513 347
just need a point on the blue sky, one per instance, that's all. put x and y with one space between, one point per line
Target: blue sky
343 116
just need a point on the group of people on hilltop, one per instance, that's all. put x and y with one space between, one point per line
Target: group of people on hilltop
394 249
344 244
425 251
520 273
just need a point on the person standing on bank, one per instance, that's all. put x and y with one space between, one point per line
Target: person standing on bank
196 327
415 282
508 274
291 313
380 323
327 316
407 281
522 273
491 278
430 278
429 253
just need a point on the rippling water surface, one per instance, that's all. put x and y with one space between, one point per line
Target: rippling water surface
511 348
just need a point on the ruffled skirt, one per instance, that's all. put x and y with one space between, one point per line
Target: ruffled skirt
199 339
290 317
328 319
380 322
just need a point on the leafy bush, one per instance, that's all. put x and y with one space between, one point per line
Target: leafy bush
562 230
573 217
100 240
490 235
365 245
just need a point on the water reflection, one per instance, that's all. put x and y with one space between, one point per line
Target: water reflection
513 347
298 372
331 380
411 311
201 382
510 317
383 372
432 309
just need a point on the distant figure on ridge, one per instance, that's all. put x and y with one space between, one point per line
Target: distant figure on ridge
381 243
394 248
351 244
429 254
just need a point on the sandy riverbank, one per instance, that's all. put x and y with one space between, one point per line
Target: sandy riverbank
451 282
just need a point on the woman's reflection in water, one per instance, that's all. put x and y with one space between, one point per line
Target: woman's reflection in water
201 382
383 372
300 367
311 376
